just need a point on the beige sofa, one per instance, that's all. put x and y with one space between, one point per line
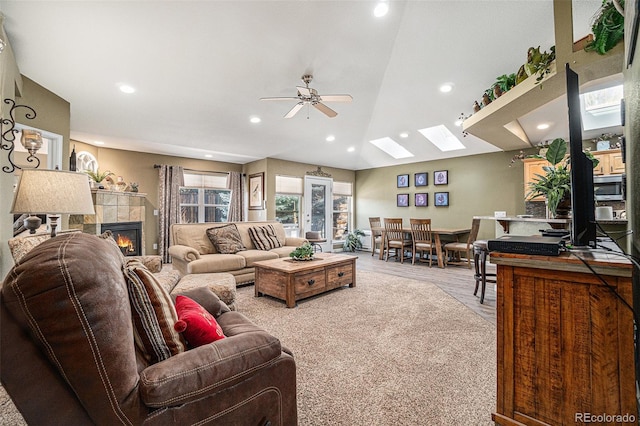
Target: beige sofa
193 253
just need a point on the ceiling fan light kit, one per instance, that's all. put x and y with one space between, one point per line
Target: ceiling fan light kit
308 96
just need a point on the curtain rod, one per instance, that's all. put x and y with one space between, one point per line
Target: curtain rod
157 166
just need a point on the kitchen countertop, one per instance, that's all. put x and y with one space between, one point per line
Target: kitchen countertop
554 223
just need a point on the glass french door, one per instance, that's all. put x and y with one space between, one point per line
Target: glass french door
318 208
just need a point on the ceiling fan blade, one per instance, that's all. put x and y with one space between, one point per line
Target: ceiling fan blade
325 109
294 110
290 98
336 98
304 91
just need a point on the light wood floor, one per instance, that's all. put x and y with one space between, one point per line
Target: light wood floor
457 281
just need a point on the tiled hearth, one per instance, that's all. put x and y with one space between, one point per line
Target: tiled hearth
111 207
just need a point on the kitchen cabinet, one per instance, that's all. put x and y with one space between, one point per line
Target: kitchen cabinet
533 167
610 162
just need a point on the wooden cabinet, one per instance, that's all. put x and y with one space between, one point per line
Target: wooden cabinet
610 162
533 167
565 341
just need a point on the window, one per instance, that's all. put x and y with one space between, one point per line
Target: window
342 209
288 200
204 198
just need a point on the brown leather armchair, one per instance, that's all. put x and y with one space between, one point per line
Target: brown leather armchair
68 354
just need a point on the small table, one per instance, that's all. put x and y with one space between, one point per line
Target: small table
292 280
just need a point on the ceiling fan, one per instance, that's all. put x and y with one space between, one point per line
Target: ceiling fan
308 96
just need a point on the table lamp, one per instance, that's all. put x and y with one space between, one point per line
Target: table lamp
51 192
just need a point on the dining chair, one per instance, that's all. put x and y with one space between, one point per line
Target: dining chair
421 240
394 238
455 249
376 235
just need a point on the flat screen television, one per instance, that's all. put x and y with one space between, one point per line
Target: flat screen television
583 220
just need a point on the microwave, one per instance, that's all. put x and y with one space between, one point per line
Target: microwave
609 187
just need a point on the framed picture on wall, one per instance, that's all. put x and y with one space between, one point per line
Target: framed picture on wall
421 199
441 199
403 181
421 179
402 200
256 191
441 177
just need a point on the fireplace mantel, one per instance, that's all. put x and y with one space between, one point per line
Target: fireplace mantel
112 207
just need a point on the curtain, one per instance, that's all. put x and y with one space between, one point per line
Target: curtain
171 178
236 208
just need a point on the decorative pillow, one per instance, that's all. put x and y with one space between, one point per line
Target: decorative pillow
226 239
264 237
195 323
153 314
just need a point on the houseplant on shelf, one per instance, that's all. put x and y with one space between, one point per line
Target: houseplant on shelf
555 184
352 240
97 177
607 27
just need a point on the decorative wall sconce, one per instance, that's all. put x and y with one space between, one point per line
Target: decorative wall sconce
31 139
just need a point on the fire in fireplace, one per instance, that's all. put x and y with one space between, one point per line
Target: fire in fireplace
128 236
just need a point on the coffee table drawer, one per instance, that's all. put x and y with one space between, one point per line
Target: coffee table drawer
311 282
340 275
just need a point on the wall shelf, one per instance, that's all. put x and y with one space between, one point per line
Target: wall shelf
497 123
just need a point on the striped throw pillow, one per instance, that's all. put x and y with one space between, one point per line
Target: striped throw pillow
154 314
264 237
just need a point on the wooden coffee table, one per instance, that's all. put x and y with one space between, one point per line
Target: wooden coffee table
292 280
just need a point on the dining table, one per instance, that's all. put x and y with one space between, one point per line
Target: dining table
436 232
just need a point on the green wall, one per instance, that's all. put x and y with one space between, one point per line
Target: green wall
478 186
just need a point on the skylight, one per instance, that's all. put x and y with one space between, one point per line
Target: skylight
442 138
391 147
601 108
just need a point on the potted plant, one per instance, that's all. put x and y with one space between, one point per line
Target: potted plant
352 240
304 252
97 177
607 27
555 184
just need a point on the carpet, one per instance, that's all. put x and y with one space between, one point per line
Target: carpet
391 351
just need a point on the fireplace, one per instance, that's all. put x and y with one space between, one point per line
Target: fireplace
128 236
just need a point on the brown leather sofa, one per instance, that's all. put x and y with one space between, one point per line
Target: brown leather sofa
68 356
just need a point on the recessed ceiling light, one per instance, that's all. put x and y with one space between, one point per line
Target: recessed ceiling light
446 87
542 126
458 123
391 147
442 138
255 120
404 135
125 88
330 138
351 149
381 9
208 156
98 142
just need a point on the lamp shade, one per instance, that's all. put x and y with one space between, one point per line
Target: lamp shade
52 192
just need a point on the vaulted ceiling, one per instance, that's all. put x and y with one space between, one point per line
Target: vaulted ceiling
200 68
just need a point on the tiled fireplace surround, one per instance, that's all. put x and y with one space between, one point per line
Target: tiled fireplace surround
112 207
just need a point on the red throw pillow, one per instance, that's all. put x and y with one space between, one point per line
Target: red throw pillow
195 323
